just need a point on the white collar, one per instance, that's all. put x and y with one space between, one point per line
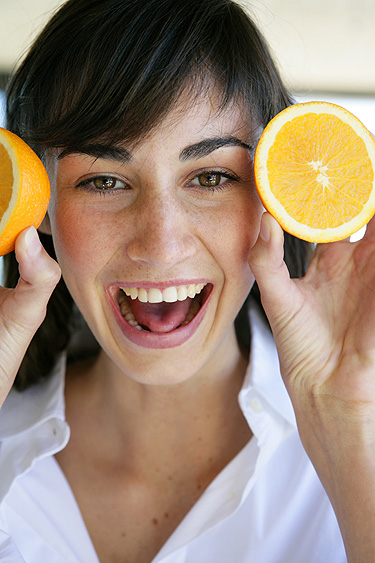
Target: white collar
32 425
23 411
263 374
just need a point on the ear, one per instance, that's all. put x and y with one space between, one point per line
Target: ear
45 226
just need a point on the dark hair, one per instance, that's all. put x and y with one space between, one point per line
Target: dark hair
110 70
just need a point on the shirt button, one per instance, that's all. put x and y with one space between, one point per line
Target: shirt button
256 405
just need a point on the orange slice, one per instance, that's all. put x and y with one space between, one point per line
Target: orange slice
314 171
24 189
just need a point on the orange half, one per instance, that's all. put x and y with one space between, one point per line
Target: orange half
314 171
24 189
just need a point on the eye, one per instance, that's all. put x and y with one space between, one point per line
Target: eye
102 183
212 179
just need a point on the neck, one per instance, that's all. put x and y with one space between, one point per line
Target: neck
181 420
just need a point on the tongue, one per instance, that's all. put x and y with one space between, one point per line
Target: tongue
161 317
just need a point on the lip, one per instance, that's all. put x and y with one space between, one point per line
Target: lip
157 340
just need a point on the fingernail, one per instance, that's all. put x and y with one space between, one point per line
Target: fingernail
265 231
33 245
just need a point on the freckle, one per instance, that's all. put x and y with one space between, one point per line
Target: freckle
209 459
199 486
199 438
170 478
166 514
155 521
123 535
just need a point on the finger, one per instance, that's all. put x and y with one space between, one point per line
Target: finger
39 274
266 260
23 309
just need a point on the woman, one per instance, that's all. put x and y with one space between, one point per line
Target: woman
173 442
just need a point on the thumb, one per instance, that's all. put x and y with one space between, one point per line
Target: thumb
39 274
266 259
23 309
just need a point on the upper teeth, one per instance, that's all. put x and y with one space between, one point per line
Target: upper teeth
169 295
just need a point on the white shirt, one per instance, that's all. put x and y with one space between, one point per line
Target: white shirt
266 506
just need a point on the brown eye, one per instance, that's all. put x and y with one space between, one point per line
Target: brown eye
209 179
104 183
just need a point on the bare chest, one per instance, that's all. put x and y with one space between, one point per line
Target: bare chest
128 520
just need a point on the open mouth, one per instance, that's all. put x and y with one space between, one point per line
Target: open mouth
162 311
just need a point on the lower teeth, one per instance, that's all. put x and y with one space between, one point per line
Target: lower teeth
129 316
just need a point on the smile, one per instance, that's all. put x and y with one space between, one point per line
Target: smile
168 295
158 310
161 317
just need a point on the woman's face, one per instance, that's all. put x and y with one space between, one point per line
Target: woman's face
153 240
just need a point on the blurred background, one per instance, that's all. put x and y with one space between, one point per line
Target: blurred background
325 48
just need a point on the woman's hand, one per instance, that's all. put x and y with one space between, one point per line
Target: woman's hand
324 328
22 309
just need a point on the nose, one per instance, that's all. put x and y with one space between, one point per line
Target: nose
162 236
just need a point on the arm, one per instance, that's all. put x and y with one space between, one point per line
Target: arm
22 309
324 328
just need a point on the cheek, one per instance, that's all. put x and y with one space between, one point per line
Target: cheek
239 229
77 239
246 227
239 277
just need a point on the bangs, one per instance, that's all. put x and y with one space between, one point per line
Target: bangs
123 64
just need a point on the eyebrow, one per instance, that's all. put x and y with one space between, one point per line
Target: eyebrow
207 146
113 152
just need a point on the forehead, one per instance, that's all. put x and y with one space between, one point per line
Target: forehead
205 111
200 118
192 120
